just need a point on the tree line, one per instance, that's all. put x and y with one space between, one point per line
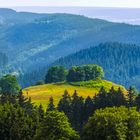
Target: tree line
120 65
73 118
78 109
21 120
109 115
74 74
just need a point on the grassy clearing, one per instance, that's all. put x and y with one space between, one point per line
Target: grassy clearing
41 94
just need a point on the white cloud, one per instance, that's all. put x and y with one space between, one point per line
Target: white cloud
99 3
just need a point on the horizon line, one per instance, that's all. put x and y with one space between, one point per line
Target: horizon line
51 6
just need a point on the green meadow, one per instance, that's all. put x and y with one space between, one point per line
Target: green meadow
41 94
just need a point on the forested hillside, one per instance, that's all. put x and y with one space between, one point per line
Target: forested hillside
31 40
119 61
3 60
68 77
84 114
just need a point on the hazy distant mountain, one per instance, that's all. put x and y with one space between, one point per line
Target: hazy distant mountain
126 15
33 41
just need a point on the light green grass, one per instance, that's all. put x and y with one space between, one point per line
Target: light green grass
41 94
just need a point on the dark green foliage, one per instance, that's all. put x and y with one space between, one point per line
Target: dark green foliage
22 101
15 124
120 62
76 74
138 102
132 93
85 73
39 82
56 74
77 108
88 108
20 120
120 98
113 124
133 124
9 85
116 98
101 100
56 127
64 104
109 99
41 113
73 107
51 105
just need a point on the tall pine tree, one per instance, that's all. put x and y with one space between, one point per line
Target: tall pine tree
51 105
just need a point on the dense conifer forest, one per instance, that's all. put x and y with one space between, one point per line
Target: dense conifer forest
119 61
93 64
74 117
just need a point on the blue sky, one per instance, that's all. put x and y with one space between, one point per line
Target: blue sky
92 3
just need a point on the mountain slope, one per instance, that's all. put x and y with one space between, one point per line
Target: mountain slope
33 41
3 60
41 94
121 62
43 38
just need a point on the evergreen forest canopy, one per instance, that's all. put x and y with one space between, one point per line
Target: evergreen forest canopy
74 118
119 61
55 48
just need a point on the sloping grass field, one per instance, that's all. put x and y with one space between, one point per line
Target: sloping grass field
41 94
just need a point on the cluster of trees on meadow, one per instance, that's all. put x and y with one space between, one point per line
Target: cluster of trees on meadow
109 115
74 74
120 65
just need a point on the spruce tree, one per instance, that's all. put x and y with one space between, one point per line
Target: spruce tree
51 105
77 111
101 99
131 96
137 101
15 123
116 98
111 97
120 98
56 127
64 104
41 113
10 98
22 100
88 108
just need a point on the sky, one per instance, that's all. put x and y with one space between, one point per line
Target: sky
90 3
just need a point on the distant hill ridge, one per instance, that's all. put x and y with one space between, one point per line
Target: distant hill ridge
119 61
31 40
